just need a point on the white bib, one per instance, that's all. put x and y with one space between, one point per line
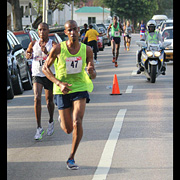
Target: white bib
116 33
73 65
39 58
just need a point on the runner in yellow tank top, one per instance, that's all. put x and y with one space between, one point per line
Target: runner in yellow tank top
71 83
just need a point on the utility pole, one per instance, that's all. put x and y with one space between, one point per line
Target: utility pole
72 9
45 9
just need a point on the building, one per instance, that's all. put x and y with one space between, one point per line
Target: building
60 17
91 14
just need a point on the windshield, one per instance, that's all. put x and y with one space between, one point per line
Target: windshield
53 38
24 39
166 25
168 34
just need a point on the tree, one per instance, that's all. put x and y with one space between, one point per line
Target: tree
137 10
133 9
17 14
53 5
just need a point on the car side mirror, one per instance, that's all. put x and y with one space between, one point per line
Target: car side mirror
16 48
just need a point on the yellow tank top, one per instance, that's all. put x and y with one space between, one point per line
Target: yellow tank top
71 69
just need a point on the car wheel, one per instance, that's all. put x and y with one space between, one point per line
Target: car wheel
28 85
18 88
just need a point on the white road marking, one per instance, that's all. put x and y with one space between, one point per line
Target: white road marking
129 89
134 72
107 155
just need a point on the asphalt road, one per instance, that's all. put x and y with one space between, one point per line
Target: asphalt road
126 137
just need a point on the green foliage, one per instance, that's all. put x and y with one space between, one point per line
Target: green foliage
138 9
53 4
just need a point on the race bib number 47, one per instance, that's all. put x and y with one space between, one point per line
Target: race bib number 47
73 65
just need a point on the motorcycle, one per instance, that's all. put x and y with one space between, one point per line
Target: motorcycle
152 59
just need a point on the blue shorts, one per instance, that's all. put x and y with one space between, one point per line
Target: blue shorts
65 101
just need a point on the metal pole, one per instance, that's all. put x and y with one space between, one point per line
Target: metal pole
72 9
47 8
44 10
30 13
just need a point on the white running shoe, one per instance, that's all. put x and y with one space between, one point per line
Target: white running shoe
59 119
39 133
50 129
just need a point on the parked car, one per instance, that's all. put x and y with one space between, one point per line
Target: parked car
17 65
165 24
10 91
103 29
100 43
167 35
159 18
59 31
25 37
55 37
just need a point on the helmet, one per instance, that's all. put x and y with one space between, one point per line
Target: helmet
151 25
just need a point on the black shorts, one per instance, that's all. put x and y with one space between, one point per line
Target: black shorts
128 36
93 44
117 40
44 81
65 101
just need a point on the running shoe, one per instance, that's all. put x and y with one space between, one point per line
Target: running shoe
116 65
114 60
39 133
71 165
59 119
50 129
96 62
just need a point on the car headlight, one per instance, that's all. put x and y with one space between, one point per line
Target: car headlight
157 53
149 53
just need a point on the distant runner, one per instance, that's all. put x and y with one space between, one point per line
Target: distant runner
115 38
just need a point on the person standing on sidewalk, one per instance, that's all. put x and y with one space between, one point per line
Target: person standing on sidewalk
83 32
40 50
115 38
91 35
71 83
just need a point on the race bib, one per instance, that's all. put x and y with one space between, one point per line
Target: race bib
116 33
73 65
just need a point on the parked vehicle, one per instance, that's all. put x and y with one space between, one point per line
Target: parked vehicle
159 18
152 59
25 37
167 36
59 31
55 37
10 91
17 65
166 24
100 43
103 29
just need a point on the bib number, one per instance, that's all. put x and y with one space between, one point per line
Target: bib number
116 33
73 65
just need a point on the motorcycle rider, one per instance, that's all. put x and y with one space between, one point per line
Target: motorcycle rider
151 36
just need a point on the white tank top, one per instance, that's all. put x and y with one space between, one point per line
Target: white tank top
39 58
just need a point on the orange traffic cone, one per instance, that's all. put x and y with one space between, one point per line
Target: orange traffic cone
115 89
